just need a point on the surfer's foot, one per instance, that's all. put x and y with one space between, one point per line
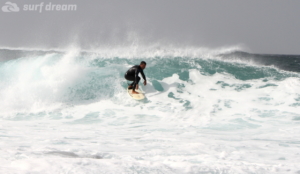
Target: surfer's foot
134 92
137 87
129 87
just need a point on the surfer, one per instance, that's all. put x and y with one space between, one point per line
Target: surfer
133 75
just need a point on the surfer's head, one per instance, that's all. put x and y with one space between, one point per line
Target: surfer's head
143 64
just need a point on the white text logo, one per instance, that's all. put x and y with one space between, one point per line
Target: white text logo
10 7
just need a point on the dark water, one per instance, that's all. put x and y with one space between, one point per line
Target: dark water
284 62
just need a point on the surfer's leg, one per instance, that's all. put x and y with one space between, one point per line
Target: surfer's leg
136 85
131 85
130 78
134 88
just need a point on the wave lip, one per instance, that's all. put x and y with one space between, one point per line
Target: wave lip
284 62
130 51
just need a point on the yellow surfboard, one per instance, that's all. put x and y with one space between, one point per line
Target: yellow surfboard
138 96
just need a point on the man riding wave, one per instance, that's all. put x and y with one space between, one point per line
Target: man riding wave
133 75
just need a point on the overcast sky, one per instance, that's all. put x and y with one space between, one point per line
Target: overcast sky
262 26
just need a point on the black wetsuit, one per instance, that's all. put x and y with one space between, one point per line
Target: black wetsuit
133 75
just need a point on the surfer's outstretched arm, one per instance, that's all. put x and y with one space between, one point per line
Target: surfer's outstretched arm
144 77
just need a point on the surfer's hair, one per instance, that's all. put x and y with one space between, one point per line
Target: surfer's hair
143 63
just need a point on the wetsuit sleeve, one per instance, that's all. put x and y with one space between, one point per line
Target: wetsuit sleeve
143 75
136 75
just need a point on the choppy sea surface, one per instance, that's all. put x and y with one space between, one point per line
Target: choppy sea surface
206 111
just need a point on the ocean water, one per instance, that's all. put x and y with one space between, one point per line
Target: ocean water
206 111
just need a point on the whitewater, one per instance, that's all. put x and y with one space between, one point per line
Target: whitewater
206 111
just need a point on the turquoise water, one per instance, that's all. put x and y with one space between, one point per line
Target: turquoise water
204 112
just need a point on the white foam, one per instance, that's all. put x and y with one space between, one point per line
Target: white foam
209 123
34 84
135 50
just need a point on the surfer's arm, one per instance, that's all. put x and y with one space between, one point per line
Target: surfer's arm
143 75
136 75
